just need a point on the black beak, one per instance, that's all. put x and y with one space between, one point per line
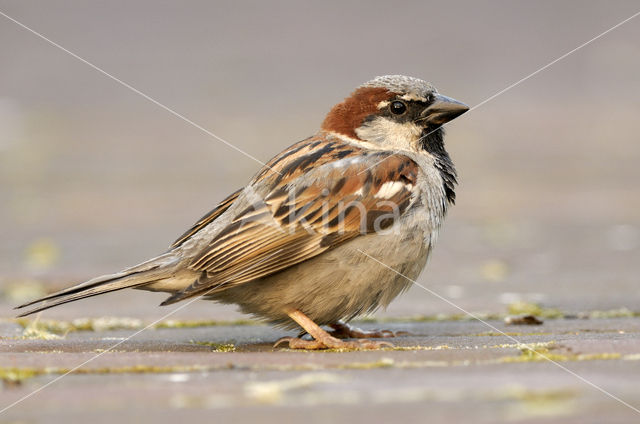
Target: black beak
443 109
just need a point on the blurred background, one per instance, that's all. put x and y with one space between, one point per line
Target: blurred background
94 178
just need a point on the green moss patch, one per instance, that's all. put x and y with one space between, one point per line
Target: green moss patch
38 328
539 354
216 347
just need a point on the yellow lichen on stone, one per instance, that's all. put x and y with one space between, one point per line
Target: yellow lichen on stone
526 308
538 354
60 327
36 330
216 347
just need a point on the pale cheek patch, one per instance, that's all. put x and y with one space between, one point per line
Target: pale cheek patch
389 189
389 134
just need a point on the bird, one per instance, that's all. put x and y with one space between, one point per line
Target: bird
333 227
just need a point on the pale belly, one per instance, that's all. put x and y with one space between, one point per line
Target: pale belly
337 285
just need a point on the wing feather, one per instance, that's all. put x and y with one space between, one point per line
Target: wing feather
304 215
207 219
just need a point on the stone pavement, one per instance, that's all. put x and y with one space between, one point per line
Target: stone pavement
447 370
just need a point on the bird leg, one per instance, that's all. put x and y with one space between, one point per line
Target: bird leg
342 330
322 339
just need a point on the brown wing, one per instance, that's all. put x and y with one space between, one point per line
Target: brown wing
208 218
304 217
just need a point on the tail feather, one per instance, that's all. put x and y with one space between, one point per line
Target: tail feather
139 275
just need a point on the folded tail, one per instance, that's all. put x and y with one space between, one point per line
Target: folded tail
139 275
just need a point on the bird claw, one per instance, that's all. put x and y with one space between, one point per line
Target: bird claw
331 343
298 343
346 331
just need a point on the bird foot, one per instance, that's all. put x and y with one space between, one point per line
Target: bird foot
342 330
322 339
330 342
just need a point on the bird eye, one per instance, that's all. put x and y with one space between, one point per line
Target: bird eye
397 107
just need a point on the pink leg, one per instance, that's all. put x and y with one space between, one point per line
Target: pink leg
322 339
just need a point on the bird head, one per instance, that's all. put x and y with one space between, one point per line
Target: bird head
394 112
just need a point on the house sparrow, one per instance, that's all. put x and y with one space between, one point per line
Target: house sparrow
292 248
